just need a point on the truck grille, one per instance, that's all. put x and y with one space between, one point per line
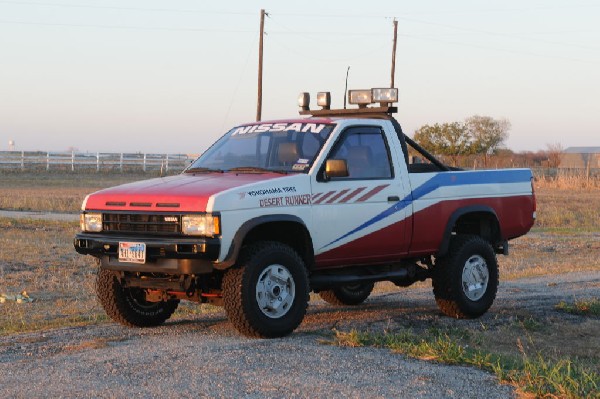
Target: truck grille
141 223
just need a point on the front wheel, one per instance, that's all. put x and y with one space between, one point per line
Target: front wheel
348 294
266 294
128 306
465 282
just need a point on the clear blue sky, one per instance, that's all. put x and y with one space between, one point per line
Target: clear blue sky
172 76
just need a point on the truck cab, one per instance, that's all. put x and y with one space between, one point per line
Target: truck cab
275 209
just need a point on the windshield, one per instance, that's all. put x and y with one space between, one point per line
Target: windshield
273 147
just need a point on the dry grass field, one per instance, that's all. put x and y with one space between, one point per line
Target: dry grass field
38 257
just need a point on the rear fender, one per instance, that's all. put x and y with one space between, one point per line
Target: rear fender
489 230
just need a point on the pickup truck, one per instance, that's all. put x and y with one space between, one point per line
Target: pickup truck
276 209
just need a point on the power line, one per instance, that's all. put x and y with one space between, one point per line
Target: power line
80 6
513 36
499 49
125 27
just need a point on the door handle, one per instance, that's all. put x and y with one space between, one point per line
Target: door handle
393 198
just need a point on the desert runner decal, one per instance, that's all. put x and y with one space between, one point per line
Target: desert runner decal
292 200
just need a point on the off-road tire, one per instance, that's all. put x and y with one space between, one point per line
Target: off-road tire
450 286
241 285
128 305
347 294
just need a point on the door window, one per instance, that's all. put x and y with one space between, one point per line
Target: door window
366 153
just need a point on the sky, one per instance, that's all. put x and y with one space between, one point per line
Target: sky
173 76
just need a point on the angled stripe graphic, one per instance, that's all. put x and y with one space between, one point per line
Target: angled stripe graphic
441 180
324 197
352 195
372 193
338 195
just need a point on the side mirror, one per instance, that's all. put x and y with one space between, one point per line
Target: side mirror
336 168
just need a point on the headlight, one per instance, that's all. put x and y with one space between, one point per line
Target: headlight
200 225
91 222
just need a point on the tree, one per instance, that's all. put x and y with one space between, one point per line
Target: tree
554 152
488 134
451 139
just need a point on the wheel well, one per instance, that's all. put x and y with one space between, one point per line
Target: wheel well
482 223
290 233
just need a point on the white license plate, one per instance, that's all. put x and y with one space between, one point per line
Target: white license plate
132 252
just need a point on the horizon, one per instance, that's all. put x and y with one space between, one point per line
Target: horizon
131 76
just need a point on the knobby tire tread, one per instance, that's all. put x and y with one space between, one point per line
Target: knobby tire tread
112 298
445 287
238 312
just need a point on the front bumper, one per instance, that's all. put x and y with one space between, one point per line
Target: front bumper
171 255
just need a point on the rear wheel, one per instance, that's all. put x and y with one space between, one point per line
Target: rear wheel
266 294
348 294
466 281
128 306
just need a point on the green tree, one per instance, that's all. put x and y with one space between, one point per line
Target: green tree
487 134
450 139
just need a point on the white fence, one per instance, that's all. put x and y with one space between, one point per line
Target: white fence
75 161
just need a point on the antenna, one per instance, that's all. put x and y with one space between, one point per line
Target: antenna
346 88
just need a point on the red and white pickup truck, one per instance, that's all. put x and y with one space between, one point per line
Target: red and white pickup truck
329 203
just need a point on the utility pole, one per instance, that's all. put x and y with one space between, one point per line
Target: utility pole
394 52
260 65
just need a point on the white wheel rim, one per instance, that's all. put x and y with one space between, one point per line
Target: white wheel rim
475 277
275 291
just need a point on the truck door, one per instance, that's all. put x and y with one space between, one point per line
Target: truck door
360 218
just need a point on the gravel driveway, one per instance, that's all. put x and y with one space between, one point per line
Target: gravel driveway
205 356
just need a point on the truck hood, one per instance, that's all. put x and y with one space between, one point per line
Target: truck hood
181 193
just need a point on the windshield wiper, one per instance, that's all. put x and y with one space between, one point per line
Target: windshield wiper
203 170
256 169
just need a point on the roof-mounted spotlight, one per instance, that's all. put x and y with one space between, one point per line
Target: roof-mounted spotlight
304 101
385 96
324 99
362 98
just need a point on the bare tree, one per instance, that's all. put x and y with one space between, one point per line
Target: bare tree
554 151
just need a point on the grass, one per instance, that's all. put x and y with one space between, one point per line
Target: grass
38 257
583 307
534 375
56 192
553 356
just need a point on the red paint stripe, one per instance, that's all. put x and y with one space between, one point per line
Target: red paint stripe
371 193
338 195
352 195
315 196
324 197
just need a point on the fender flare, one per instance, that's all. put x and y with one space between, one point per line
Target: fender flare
445 245
245 228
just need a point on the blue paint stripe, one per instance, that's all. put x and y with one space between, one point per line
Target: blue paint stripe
444 179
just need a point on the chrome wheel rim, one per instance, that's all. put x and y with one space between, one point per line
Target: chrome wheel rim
475 277
275 291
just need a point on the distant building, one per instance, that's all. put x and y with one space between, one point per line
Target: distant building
585 158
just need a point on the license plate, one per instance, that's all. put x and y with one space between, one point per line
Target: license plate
132 252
